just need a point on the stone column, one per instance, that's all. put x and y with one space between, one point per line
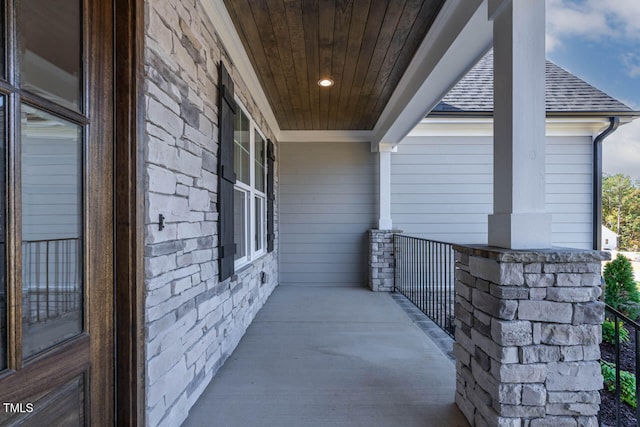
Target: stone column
527 336
381 260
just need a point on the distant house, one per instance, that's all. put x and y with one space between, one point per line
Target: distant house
442 172
609 239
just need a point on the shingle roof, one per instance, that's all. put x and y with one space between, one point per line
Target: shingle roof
565 93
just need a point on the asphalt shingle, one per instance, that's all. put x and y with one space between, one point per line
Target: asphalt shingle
565 92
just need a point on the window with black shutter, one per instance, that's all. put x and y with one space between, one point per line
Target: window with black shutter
226 175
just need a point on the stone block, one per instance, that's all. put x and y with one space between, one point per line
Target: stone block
545 311
483 285
511 333
488 381
534 267
510 394
583 294
583 409
478 396
573 397
501 273
587 421
571 353
464 277
495 351
482 359
517 411
517 373
539 353
463 290
466 407
537 280
574 376
537 294
572 267
554 422
509 292
589 313
503 309
461 354
591 352
568 279
534 394
464 340
570 334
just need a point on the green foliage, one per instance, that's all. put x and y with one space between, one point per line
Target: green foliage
620 289
621 209
609 332
627 382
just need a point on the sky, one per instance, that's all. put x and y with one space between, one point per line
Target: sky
599 41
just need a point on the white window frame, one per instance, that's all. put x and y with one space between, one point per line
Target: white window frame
253 252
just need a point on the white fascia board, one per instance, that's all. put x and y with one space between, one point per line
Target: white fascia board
465 126
231 43
459 37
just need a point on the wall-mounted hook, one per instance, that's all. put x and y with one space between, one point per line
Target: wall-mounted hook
160 222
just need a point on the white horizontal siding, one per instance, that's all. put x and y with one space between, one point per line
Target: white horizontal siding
442 188
326 206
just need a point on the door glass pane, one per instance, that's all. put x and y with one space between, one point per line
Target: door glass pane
51 230
259 162
50 48
3 264
242 153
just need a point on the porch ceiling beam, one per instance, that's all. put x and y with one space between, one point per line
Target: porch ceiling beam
460 36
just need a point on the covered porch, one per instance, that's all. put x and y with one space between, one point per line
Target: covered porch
319 356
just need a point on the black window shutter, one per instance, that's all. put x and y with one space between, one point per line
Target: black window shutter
226 175
271 197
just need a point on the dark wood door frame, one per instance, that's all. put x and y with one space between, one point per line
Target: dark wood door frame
129 222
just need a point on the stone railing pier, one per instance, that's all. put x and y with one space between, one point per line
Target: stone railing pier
527 336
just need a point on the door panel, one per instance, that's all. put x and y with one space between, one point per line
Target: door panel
57 348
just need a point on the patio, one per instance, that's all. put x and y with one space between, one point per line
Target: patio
321 356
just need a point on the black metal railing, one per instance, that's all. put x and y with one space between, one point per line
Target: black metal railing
624 365
425 274
51 278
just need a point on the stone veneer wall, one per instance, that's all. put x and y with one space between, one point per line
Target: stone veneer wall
381 260
193 322
527 336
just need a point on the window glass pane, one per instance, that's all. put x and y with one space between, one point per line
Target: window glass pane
3 264
260 157
50 49
52 271
240 223
2 42
259 223
242 153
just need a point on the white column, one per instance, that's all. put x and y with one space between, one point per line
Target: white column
384 187
519 220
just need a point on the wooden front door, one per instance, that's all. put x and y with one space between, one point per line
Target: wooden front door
56 213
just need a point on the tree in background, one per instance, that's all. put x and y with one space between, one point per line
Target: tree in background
620 289
621 209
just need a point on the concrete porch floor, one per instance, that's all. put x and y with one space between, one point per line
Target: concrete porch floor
331 356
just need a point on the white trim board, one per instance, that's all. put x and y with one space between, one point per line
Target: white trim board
455 126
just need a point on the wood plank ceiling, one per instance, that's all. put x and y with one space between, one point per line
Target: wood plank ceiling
364 46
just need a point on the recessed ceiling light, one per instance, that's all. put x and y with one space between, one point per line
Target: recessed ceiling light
325 82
